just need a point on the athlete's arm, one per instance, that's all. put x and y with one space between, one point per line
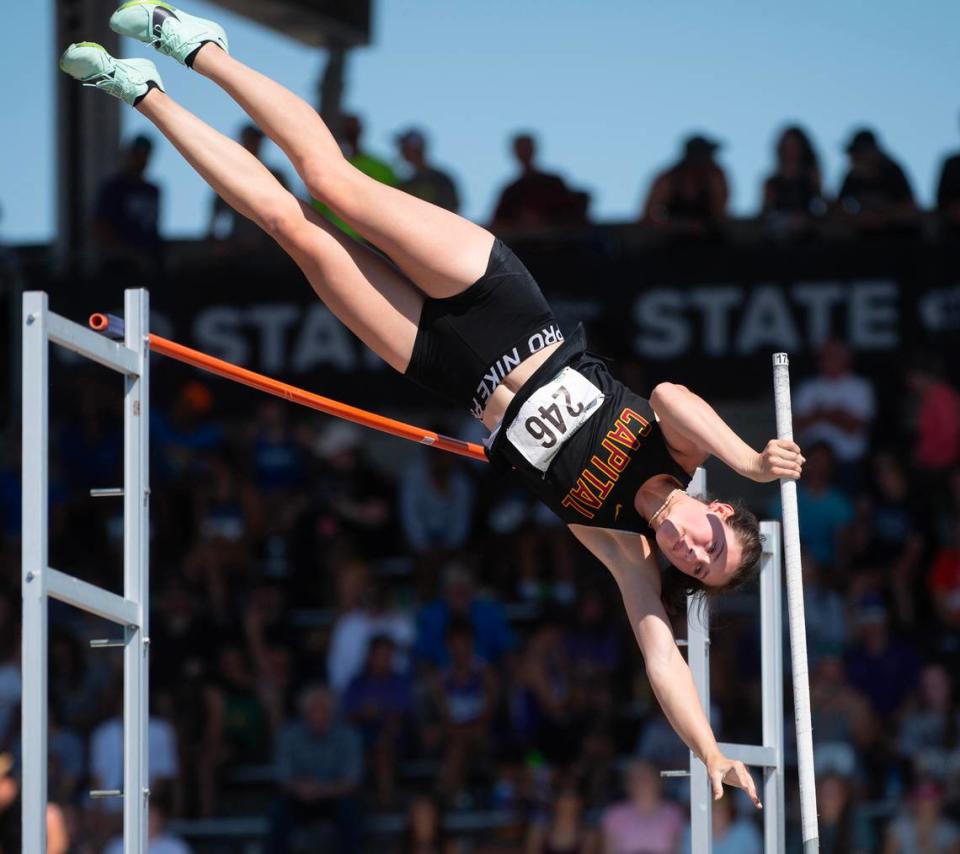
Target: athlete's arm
630 560
694 431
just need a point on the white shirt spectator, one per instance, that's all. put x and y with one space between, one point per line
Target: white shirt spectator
163 844
350 640
106 756
849 393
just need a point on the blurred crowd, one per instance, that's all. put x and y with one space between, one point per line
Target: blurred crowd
687 200
365 648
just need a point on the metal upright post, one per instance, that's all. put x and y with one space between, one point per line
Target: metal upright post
33 567
136 574
771 667
698 657
41 581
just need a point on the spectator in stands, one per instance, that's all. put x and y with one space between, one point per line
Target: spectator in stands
921 827
566 831
236 718
943 583
824 610
843 719
160 841
351 140
423 180
793 194
361 616
466 695
436 503
319 768
936 448
929 729
690 197
536 199
58 835
889 533
279 460
948 193
425 833
127 216
350 498
837 407
875 194
883 667
843 827
238 233
591 641
379 703
731 834
645 818
825 511
547 676
106 762
493 637
177 438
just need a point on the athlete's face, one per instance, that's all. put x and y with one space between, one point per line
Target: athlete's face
697 540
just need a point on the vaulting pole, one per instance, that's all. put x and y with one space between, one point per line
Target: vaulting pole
798 632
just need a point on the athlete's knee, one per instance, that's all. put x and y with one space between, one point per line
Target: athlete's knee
327 179
283 221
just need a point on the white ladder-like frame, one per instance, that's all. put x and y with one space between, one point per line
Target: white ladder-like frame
40 582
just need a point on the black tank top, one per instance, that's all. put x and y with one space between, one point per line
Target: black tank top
595 476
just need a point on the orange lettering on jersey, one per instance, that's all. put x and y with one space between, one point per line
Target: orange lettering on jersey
629 415
622 436
613 474
616 458
581 492
569 502
603 487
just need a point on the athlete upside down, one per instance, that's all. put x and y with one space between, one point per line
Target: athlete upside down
458 313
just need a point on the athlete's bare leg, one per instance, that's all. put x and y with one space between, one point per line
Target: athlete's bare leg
376 301
440 251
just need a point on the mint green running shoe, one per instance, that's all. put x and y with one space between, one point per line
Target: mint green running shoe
170 31
127 79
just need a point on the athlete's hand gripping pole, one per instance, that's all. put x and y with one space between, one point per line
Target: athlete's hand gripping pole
112 326
798 632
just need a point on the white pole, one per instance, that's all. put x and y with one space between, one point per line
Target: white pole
798 632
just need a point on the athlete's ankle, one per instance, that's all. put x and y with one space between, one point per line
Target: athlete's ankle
203 55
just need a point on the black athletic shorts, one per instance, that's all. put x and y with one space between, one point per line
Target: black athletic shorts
466 344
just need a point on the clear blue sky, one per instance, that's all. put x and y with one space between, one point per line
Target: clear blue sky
610 87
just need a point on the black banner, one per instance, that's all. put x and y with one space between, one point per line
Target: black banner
708 315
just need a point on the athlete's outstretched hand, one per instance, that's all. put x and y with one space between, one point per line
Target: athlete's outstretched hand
779 459
734 773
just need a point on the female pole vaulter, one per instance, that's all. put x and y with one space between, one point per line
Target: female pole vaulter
457 312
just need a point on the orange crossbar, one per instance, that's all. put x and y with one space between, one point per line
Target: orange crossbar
261 382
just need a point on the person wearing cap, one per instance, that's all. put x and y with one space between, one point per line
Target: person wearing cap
690 197
425 181
922 828
127 213
875 193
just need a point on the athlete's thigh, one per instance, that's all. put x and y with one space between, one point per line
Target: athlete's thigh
441 252
374 299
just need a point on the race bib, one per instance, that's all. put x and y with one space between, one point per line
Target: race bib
551 415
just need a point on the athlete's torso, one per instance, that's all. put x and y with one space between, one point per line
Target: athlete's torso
602 461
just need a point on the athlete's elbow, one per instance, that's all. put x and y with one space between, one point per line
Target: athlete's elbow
666 394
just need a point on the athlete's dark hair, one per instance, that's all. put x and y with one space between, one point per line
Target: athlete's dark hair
677 585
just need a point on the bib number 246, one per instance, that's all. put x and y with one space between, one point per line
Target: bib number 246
550 418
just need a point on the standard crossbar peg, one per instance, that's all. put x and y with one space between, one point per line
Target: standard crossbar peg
105 643
107 492
681 641
680 773
106 793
